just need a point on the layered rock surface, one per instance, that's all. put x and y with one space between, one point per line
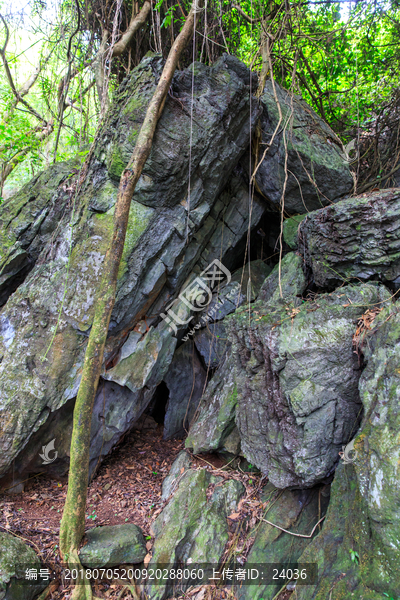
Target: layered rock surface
317 167
292 374
357 239
44 325
297 511
349 559
297 376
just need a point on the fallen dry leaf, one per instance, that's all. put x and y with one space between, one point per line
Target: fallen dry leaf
147 559
234 515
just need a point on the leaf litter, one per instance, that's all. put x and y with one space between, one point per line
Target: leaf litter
127 489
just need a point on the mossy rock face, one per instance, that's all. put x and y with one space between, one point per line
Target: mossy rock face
15 557
217 410
297 511
145 362
291 229
349 561
355 239
111 546
193 524
377 463
212 143
297 381
28 220
318 172
287 280
55 236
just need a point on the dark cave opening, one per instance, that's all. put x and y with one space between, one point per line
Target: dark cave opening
264 243
158 405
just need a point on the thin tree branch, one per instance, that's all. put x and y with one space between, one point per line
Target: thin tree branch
64 96
10 78
245 16
136 23
291 532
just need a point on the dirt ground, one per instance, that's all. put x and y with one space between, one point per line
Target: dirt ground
126 489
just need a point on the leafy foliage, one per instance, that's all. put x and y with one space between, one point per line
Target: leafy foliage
342 57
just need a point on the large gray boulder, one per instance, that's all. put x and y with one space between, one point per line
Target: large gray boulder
358 549
317 170
216 415
45 324
355 239
297 382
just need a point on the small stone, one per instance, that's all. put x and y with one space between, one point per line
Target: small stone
111 546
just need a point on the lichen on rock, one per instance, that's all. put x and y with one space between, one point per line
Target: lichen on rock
297 376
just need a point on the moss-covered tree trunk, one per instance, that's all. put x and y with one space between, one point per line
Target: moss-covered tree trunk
73 521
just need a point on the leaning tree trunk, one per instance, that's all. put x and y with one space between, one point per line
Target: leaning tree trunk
73 521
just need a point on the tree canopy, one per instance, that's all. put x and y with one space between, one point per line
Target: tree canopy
61 64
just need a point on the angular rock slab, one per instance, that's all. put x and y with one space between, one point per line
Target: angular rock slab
217 411
15 557
144 362
45 353
315 155
193 524
377 463
113 545
181 464
297 382
26 225
357 238
297 511
211 343
346 533
185 380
